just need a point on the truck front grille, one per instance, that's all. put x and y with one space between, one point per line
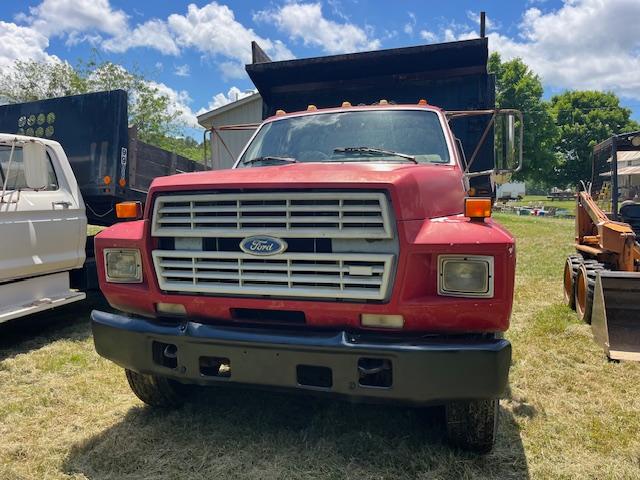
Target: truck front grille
309 275
340 244
286 214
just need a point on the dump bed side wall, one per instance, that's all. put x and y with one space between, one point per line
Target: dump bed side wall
147 162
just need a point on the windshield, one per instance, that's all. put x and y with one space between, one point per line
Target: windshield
340 137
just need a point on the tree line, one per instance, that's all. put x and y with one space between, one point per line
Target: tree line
559 133
150 110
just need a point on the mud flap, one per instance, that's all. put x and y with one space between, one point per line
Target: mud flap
615 318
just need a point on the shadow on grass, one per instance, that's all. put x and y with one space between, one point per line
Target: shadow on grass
241 433
35 331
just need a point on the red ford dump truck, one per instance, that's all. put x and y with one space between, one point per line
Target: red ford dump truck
342 254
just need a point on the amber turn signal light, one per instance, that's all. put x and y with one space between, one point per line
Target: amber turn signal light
129 210
477 208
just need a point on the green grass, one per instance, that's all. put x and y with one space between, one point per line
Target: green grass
94 229
67 413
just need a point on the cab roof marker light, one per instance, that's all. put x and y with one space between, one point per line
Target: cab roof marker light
280 113
384 102
346 104
423 102
311 108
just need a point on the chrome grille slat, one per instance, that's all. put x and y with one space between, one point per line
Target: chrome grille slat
310 275
337 214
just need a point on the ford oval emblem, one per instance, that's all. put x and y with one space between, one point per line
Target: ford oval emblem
263 245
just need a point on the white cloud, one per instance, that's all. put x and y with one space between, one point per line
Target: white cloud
153 34
182 70
408 27
55 17
489 23
22 43
306 22
179 100
428 36
584 44
214 30
220 99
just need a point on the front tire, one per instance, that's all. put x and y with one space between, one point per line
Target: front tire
569 279
472 425
584 288
155 390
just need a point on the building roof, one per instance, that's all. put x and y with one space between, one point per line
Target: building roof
206 119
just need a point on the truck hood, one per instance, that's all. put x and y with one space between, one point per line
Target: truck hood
417 191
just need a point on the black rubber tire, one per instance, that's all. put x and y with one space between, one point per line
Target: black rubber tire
591 269
156 391
573 263
472 425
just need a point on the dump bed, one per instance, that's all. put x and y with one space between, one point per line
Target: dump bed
451 75
110 165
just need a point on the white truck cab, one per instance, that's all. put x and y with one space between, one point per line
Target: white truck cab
43 226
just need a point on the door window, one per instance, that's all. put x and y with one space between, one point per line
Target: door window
14 173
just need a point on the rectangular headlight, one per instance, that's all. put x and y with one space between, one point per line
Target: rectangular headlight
123 265
465 275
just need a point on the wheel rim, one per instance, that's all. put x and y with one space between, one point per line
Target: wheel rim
581 293
568 282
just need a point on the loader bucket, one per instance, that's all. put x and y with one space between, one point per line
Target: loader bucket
615 319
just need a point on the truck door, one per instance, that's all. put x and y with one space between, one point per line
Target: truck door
41 231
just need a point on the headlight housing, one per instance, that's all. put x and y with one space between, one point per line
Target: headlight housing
122 265
465 275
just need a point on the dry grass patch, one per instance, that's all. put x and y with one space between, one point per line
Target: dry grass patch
67 413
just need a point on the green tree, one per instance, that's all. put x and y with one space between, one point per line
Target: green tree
149 109
28 80
585 118
520 88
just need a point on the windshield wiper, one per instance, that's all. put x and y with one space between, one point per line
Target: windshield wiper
269 158
371 150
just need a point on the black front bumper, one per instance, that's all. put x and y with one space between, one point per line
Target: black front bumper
422 370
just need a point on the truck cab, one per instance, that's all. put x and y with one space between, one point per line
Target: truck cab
43 226
339 256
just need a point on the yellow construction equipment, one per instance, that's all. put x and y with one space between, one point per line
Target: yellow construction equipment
602 280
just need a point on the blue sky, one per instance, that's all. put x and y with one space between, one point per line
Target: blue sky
195 51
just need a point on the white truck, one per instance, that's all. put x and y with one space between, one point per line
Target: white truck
43 226
511 191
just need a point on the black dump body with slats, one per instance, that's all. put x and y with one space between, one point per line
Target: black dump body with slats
93 130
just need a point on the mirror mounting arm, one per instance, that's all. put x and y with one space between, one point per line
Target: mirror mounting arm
6 174
480 142
454 114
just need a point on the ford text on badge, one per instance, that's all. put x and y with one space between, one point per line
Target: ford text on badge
263 245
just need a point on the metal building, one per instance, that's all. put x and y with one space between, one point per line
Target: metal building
226 145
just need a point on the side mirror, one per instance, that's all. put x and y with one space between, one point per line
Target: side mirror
507 126
35 161
508 133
